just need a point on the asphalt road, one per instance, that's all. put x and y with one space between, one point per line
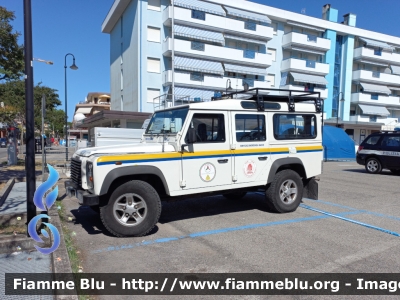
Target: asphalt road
352 228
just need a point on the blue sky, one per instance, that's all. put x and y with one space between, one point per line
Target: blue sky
74 26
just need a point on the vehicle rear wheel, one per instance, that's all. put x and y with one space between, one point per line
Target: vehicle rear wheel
133 209
373 165
234 195
285 192
395 171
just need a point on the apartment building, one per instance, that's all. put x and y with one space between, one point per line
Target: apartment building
192 49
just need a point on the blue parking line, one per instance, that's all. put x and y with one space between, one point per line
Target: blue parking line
218 231
338 216
352 208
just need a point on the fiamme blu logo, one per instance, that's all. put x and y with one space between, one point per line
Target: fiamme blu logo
44 198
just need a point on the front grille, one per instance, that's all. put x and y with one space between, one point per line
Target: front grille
76 176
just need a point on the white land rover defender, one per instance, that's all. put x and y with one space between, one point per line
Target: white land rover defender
244 141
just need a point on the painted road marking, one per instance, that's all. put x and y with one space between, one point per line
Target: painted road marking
219 231
350 220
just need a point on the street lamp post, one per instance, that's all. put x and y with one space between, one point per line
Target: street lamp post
73 67
338 108
228 87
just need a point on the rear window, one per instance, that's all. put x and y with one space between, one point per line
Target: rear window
372 140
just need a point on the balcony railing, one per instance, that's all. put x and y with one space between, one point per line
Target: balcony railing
198 46
310 63
250 25
376 74
165 101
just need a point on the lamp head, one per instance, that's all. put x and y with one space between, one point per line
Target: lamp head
74 66
230 86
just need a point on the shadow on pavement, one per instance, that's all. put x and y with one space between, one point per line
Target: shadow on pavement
384 172
8 174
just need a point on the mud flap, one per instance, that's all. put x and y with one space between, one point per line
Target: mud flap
310 190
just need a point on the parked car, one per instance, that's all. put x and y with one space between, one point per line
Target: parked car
3 142
380 151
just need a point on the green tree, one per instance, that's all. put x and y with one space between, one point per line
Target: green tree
12 93
11 54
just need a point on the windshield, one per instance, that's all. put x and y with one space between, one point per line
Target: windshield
168 121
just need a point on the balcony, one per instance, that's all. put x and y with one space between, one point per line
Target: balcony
217 23
376 56
382 100
323 92
209 81
373 119
376 77
305 41
304 66
217 53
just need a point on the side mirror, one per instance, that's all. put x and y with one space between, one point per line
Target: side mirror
192 136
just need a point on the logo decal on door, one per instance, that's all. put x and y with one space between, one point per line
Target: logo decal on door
207 172
249 168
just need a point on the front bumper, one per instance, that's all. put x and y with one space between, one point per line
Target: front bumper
84 197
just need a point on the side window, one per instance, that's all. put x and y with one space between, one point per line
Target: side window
210 128
391 142
288 127
250 128
372 140
199 15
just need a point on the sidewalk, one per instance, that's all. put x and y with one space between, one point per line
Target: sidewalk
17 252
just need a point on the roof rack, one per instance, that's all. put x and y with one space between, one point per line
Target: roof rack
259 95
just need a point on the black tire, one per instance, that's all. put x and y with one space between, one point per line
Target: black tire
373 165
290 202
395 171
234 195
141 200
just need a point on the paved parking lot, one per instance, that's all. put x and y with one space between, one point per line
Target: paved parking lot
355 227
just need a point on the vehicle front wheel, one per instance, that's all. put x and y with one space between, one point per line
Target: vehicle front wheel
133 209
285 192
373 166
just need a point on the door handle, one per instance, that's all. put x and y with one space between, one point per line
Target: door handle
262 157
222 161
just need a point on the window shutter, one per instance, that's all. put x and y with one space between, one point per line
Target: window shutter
153 65
151 94
153 34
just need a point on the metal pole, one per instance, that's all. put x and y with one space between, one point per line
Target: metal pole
42 137
173 54
30 121
66 112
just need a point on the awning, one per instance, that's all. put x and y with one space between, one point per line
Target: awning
247 15
309 78
83 110
395 70
306 26
374 110
372 88
198 65
244 39
373 43
309 50
394 88
245 70
202 6
183 93
199 34
375 63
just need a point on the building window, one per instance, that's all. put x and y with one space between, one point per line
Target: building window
122 26
247 53
250 25
274 27
374 97
272 52
153 34
196 76
152 94
199 15
154 5
122 79
198 46
122 102
378 52
122 53
372 118
153 65
271 79
250 128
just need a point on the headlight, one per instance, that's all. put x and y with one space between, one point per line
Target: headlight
89 174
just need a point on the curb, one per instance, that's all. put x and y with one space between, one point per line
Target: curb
6 190
60 258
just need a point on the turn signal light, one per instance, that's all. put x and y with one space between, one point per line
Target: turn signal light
91 178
